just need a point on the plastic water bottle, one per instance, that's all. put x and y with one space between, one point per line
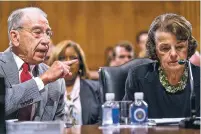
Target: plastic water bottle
139 110
110 111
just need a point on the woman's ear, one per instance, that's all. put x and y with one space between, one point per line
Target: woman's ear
14 37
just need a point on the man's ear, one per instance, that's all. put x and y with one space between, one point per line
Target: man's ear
15 37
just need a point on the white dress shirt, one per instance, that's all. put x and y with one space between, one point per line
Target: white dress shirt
19 63
74 103
38 81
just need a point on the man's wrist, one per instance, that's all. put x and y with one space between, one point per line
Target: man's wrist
39 83
44 78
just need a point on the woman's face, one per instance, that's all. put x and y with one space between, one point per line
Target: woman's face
71 54
169 50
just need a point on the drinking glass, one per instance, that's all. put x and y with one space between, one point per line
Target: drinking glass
124 111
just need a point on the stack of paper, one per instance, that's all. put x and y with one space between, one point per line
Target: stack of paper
165 121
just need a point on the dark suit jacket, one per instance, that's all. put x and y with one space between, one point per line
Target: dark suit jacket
145 78
90 97
49 102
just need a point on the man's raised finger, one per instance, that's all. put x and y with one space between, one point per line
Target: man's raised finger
70 62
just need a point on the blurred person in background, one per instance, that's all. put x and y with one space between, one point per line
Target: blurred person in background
195 58
165 83
109 60
141 40
122 53
93 75
83 96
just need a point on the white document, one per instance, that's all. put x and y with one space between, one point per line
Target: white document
165 121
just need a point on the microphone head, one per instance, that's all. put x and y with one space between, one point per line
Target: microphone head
181 62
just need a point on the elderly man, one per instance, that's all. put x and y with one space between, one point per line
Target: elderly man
33 91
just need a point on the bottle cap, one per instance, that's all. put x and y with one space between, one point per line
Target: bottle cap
109 96
139 95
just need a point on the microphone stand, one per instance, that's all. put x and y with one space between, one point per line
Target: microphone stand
192 121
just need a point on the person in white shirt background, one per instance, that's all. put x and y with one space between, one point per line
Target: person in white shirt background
83 96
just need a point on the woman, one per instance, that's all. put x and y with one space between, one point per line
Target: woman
82 95
165 83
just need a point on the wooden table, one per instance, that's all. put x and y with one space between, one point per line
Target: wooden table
93 129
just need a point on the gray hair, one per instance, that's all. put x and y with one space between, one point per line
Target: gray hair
175 24
14 20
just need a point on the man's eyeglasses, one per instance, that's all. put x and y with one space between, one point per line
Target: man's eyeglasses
37 32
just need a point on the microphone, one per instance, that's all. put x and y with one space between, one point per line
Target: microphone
192 121
181 62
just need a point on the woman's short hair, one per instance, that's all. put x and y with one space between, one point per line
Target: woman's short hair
175 24
60 49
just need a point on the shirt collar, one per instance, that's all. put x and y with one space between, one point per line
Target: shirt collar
20 62
76 88
77 83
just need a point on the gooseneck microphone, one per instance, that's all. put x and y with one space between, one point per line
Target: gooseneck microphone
192 121
182 62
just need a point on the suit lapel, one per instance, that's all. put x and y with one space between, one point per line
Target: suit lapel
44 94
84 100
10 68
12 75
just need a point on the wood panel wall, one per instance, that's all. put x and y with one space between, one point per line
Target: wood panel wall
95 25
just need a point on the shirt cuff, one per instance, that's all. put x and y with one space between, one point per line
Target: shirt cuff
39 83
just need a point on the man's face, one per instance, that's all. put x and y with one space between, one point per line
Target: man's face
33 38
122 56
